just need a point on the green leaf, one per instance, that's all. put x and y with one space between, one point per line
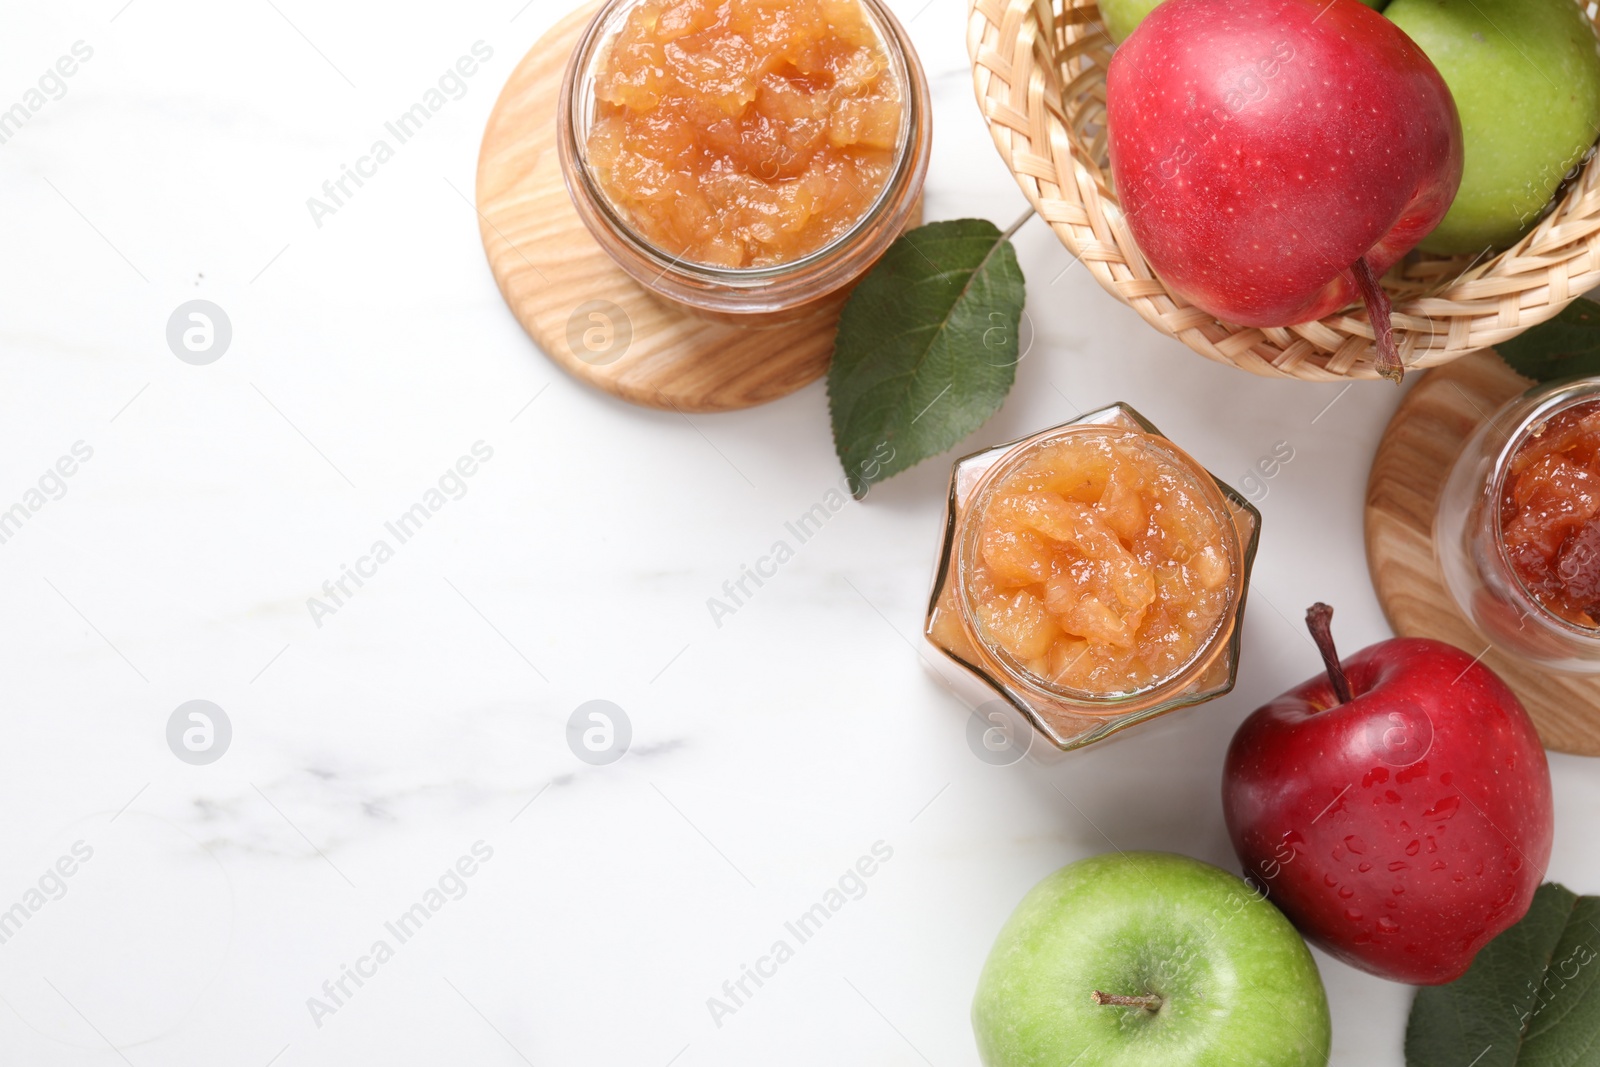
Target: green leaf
1531 996
1567 346
927 348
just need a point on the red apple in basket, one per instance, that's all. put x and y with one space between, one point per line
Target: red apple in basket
1397 809
1275 157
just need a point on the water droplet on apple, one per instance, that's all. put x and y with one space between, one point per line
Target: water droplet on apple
1444 809
1352 914
1387 925
1418 769
1345 892
1355 844
1329 880
1436 865
1513 859
1413 848
1398 865
1365 867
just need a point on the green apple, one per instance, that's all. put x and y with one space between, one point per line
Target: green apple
1200 971
1526 78
1122 17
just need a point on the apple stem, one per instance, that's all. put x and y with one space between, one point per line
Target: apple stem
1379 310
1319 620
1148 1003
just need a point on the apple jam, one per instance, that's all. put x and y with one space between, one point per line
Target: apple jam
745 133
1550 514
1101 564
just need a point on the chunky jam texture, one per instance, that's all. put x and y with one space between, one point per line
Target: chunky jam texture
745 133
1550 514
1102 567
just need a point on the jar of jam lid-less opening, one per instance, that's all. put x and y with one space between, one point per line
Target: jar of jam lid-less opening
1517 530
747 167
1092 576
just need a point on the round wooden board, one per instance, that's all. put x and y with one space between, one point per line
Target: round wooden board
1414 457
556 278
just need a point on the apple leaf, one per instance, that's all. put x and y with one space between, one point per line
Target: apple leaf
1567 346
927 348
1532 996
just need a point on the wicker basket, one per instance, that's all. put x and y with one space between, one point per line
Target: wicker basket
1039 69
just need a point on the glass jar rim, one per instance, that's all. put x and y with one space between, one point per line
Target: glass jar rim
1548 400
1195 474
579 113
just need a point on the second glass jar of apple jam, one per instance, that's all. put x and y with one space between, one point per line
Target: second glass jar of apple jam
1093 575
1517 531
747 158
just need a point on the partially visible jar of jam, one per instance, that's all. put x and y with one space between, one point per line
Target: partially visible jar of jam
1518 527
1550 513
1093 576
747 158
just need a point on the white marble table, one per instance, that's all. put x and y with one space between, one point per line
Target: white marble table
417 728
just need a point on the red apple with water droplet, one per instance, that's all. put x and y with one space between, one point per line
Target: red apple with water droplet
1275 157
1397 807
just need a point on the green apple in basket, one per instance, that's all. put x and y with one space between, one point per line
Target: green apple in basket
1525 75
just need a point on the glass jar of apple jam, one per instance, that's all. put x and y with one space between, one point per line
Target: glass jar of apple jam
1517 530
748 159
1093 575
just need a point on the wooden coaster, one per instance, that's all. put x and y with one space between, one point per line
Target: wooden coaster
1414 457
565 290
